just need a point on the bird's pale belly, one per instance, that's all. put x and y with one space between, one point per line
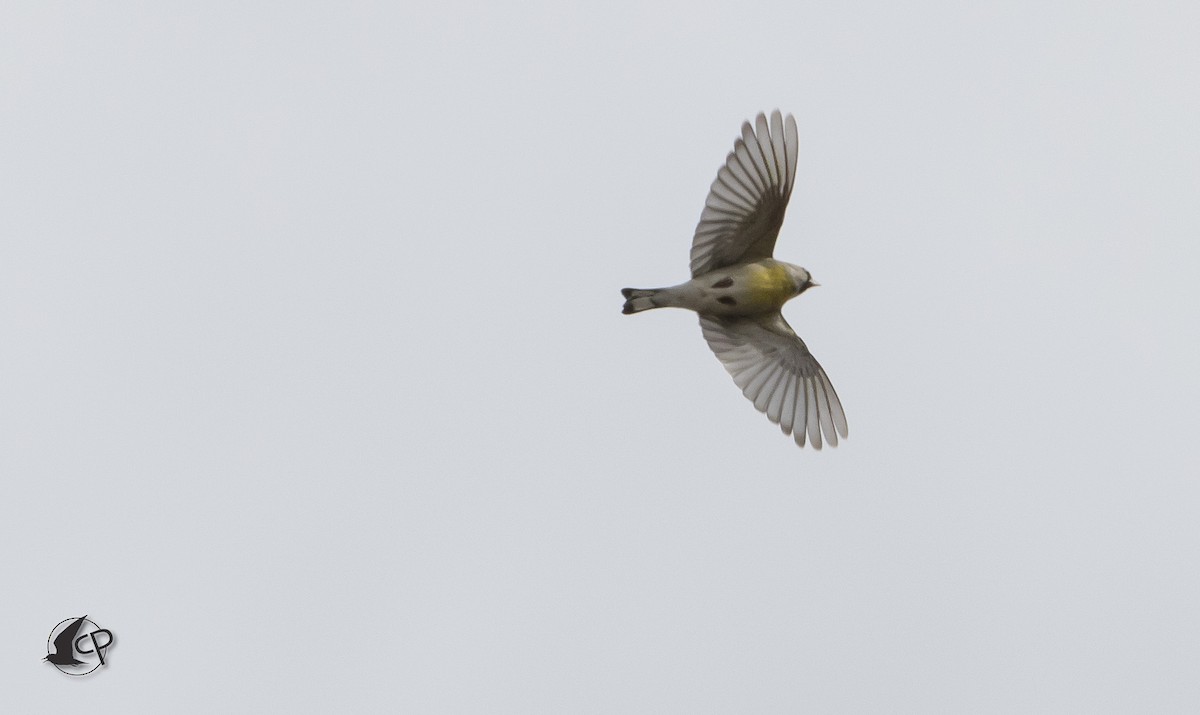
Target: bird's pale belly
760 287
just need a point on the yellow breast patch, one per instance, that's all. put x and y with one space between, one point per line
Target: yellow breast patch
770 286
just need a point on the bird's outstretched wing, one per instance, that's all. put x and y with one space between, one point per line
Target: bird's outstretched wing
779 375
745 206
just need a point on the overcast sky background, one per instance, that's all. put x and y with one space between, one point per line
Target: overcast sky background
314 386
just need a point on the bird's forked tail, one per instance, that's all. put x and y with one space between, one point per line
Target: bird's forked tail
638 299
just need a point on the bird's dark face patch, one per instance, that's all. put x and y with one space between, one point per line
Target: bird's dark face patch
727 300
723 283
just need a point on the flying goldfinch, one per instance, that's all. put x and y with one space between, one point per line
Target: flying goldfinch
738 289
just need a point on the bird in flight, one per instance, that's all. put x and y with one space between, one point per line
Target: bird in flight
738 289
64 645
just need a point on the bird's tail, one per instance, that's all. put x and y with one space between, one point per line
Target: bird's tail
639 299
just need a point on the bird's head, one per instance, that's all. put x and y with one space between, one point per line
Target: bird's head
802 278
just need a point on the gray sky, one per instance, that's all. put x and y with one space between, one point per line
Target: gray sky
316 389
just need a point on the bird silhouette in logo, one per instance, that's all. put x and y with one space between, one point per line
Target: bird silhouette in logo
64 645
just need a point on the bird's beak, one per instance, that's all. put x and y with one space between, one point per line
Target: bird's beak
813 284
